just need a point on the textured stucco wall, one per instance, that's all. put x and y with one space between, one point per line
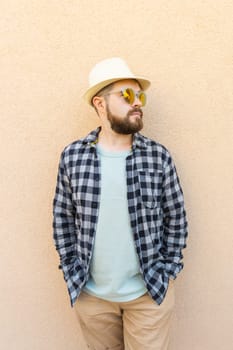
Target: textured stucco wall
46 50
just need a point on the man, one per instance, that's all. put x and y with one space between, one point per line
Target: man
119 220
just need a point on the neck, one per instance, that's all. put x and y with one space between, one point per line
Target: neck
112 141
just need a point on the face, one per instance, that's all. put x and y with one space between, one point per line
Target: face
124 118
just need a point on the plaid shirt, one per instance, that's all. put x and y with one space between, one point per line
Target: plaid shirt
155 205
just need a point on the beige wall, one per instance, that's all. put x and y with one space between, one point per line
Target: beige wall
46 50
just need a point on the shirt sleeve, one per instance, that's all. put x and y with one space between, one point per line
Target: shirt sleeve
64 221
174 221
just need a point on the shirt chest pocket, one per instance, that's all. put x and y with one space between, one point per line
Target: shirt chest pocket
150 184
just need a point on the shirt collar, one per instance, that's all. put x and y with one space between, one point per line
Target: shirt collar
92 138
139 141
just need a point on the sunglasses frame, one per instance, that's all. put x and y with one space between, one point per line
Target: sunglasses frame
129 95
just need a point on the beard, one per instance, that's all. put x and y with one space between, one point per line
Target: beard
126 125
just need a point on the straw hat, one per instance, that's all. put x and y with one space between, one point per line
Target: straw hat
109 71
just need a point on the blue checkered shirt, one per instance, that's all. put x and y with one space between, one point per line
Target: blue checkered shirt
155 205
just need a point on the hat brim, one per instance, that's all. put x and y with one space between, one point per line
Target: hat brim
93 90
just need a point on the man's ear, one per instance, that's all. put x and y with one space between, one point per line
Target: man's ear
98 102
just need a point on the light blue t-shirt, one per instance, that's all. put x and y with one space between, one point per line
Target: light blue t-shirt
114 270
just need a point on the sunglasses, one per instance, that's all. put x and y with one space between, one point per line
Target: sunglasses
129 95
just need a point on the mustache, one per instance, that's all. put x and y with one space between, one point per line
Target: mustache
137 110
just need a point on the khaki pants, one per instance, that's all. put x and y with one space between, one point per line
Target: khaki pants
139 324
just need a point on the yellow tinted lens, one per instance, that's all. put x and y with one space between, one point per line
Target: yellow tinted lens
128 95
132 95
142 98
